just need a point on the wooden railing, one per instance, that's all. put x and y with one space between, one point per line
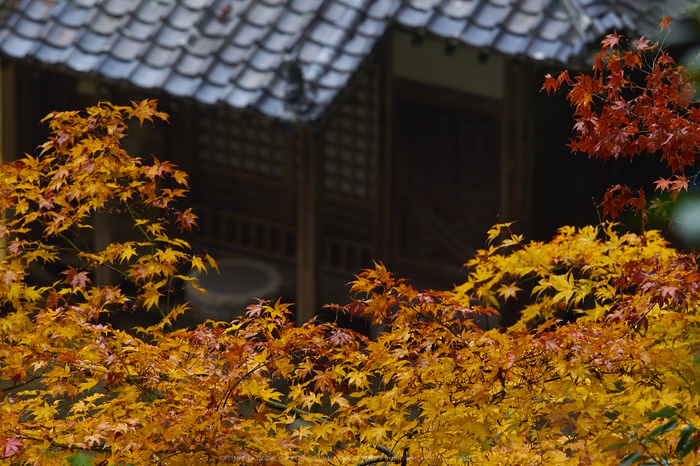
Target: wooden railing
238 232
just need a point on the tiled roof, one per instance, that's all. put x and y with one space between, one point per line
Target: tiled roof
286 58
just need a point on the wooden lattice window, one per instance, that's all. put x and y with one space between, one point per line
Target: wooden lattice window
350 141
251 143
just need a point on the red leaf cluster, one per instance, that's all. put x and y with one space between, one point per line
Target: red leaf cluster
636 101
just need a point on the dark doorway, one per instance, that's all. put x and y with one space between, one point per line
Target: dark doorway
447 158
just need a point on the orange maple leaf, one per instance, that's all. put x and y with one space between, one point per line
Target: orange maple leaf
665 23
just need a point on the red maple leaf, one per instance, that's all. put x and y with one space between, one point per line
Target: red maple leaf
642 44
339 337
62 139
550 83
187 220
611 40
662 184
76 279
10 446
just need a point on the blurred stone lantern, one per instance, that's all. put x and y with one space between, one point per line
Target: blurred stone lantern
230 291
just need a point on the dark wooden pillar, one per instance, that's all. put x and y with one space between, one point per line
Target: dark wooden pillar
8 121
8 112
307 229
516 155
385 180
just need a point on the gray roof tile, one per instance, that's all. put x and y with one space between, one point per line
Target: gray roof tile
241 98
37 9
70 14
335 13
272 106
30 29
202 45
48 54
346 62
119 7
246 34
304 6
126 49
106 23
357 4
262 15
488 15
539 49
291 21
220 73
359 45
326 55
277 87
251 79
326 96
232 54
81 61
138 30
511 44
423 5
335 79
326 33
238 52
93 43
192 65
520 22
382 9
550 29
180 85
458 8
412 18
116 69
149 77
276 41
478 36
196 4
168 36
372 27
152 11
532 6
313 71
17 47
86 3
264 60
211 26
608 22
308 52
208 93
446 26
182 17
157 56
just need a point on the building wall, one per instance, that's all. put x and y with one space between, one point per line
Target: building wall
433 62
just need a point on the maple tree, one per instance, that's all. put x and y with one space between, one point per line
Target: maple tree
618 115
601 368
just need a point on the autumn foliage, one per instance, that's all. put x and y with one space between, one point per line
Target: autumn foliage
635 103
601 369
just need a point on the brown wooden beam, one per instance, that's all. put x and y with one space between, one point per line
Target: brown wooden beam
8 121
8 112
516 151
307 229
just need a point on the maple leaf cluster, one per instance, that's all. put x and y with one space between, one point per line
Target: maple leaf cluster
637 101
601 368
